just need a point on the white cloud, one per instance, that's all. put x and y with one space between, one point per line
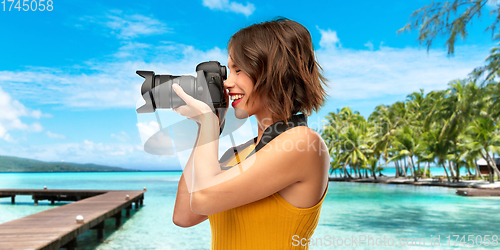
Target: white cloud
129 48
121 136
369 45
54 135
146 130
226 5
365 74
125 26
10 117
329 38
492 3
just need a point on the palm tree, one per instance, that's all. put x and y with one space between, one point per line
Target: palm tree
373 166
405 143
436 148
483 135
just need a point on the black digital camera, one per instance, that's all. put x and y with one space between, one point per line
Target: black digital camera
207 87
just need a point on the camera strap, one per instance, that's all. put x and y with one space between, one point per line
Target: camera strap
269 134
277 128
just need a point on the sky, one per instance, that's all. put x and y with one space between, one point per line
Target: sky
68 87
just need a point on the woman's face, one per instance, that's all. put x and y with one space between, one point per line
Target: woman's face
240 85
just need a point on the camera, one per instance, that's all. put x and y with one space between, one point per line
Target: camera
207 87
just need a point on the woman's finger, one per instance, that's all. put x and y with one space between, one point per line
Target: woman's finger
181 109
180 92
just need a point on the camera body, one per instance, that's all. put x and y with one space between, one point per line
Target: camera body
207 87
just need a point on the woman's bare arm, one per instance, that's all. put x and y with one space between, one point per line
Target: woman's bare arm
183 216
274 167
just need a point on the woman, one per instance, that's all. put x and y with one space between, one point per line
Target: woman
268 194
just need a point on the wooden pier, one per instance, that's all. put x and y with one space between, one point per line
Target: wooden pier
58 227
478 192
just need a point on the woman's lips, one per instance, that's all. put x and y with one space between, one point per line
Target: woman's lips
236 102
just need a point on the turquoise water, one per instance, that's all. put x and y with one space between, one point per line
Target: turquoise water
351 210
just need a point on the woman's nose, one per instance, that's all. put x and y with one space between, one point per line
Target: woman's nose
228 83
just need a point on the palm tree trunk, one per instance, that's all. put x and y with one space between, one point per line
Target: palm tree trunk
425 169
404 172
478 172
346 173
413 168
490 167
493 165
451 170
397 168
446 172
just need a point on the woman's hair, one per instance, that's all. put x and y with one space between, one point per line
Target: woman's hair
279 57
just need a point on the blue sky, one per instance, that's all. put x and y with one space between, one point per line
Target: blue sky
68 88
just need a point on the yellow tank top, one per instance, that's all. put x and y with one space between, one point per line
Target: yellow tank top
269 223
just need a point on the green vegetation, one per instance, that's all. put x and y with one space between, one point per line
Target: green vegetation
451 19
14 164
451 128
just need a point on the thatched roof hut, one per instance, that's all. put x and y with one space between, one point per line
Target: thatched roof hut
483 166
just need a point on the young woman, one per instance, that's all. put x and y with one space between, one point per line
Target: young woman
266 193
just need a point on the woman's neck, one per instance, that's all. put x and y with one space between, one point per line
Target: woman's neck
263 122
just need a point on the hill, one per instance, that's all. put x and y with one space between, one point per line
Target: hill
15 164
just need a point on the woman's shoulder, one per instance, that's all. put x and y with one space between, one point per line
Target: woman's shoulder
303 141
301 134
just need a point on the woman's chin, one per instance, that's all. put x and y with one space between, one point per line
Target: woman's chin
240 113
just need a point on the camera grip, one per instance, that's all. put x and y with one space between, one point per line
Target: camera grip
221 114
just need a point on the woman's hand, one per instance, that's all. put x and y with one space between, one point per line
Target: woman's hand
194 109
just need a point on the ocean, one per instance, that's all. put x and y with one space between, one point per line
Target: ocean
359 215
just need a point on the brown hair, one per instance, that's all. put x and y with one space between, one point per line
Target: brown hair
279 57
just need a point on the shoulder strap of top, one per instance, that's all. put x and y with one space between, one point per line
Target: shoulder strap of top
233 150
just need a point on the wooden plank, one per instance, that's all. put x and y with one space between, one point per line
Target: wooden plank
53 228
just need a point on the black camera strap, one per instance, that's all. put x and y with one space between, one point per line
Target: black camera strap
269 134
277 128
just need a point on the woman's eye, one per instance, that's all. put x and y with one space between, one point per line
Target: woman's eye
238 71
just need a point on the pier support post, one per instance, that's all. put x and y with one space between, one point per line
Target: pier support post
127 211
52 201
136 205
35 198
13 199
71 245
100 230
142 202
118 218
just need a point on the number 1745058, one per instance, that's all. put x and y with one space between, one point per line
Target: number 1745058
28 5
